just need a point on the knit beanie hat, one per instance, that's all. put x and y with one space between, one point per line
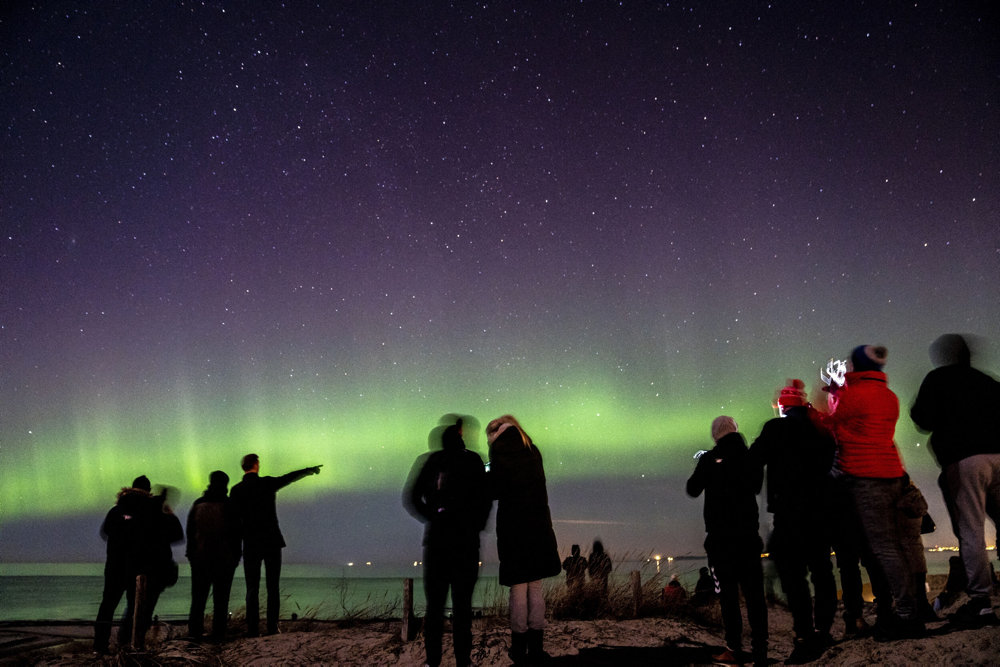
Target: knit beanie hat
142 482
869 358
723 426
794 395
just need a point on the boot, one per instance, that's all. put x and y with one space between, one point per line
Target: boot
536 654
518 648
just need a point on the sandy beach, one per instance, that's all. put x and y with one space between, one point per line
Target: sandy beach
681 636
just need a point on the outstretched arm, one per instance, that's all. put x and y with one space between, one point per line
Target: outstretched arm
295 476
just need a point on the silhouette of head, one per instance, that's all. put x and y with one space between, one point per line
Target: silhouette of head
249 461
452 436
950 350
142 482
218 480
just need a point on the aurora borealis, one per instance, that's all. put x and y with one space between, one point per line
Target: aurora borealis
310 231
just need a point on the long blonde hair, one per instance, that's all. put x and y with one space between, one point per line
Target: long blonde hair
500 424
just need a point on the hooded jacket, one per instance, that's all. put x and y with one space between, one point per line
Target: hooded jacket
450 496
956 403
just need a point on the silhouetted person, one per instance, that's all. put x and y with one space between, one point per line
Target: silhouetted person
213 549
731 482
526 543
673 593
798 458
599 568
957 405
575 566
450 496
254 500
139 530
705 590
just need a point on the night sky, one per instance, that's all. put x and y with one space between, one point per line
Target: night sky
311 231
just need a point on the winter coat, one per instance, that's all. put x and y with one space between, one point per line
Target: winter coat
955 403
863 426
129 529
140 532
526 543
731 483
255 501
798 457
213 531
451 497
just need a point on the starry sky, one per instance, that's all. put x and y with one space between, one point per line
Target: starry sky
309 230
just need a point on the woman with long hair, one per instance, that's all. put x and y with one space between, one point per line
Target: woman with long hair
526 543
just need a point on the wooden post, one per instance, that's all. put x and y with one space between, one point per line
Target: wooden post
407 608
138 632
636 578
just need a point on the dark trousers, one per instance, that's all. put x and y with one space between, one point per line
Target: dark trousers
271 560
458 570
853 552
798 548
116 585
217 577
738 568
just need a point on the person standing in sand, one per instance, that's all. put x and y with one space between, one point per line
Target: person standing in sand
254 500
798 457
869 472
955 404
213 549
576 570
526 543
599 568
449 496
731 483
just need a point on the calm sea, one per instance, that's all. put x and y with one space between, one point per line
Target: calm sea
72 591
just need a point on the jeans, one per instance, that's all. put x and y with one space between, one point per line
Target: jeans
853 552
971 489
251 571
885 532
527 607
458 570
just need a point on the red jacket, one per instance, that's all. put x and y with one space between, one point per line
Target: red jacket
863 424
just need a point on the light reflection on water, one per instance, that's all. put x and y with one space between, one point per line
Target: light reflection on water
72 591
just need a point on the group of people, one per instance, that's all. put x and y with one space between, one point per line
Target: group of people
222 526
578 568
835 480
452 492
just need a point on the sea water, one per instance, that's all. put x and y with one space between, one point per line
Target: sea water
72 591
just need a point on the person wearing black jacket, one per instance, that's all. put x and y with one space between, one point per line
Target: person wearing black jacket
213 549
798 457
139 530
526 542
449 495
254 499
956 403
731 482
